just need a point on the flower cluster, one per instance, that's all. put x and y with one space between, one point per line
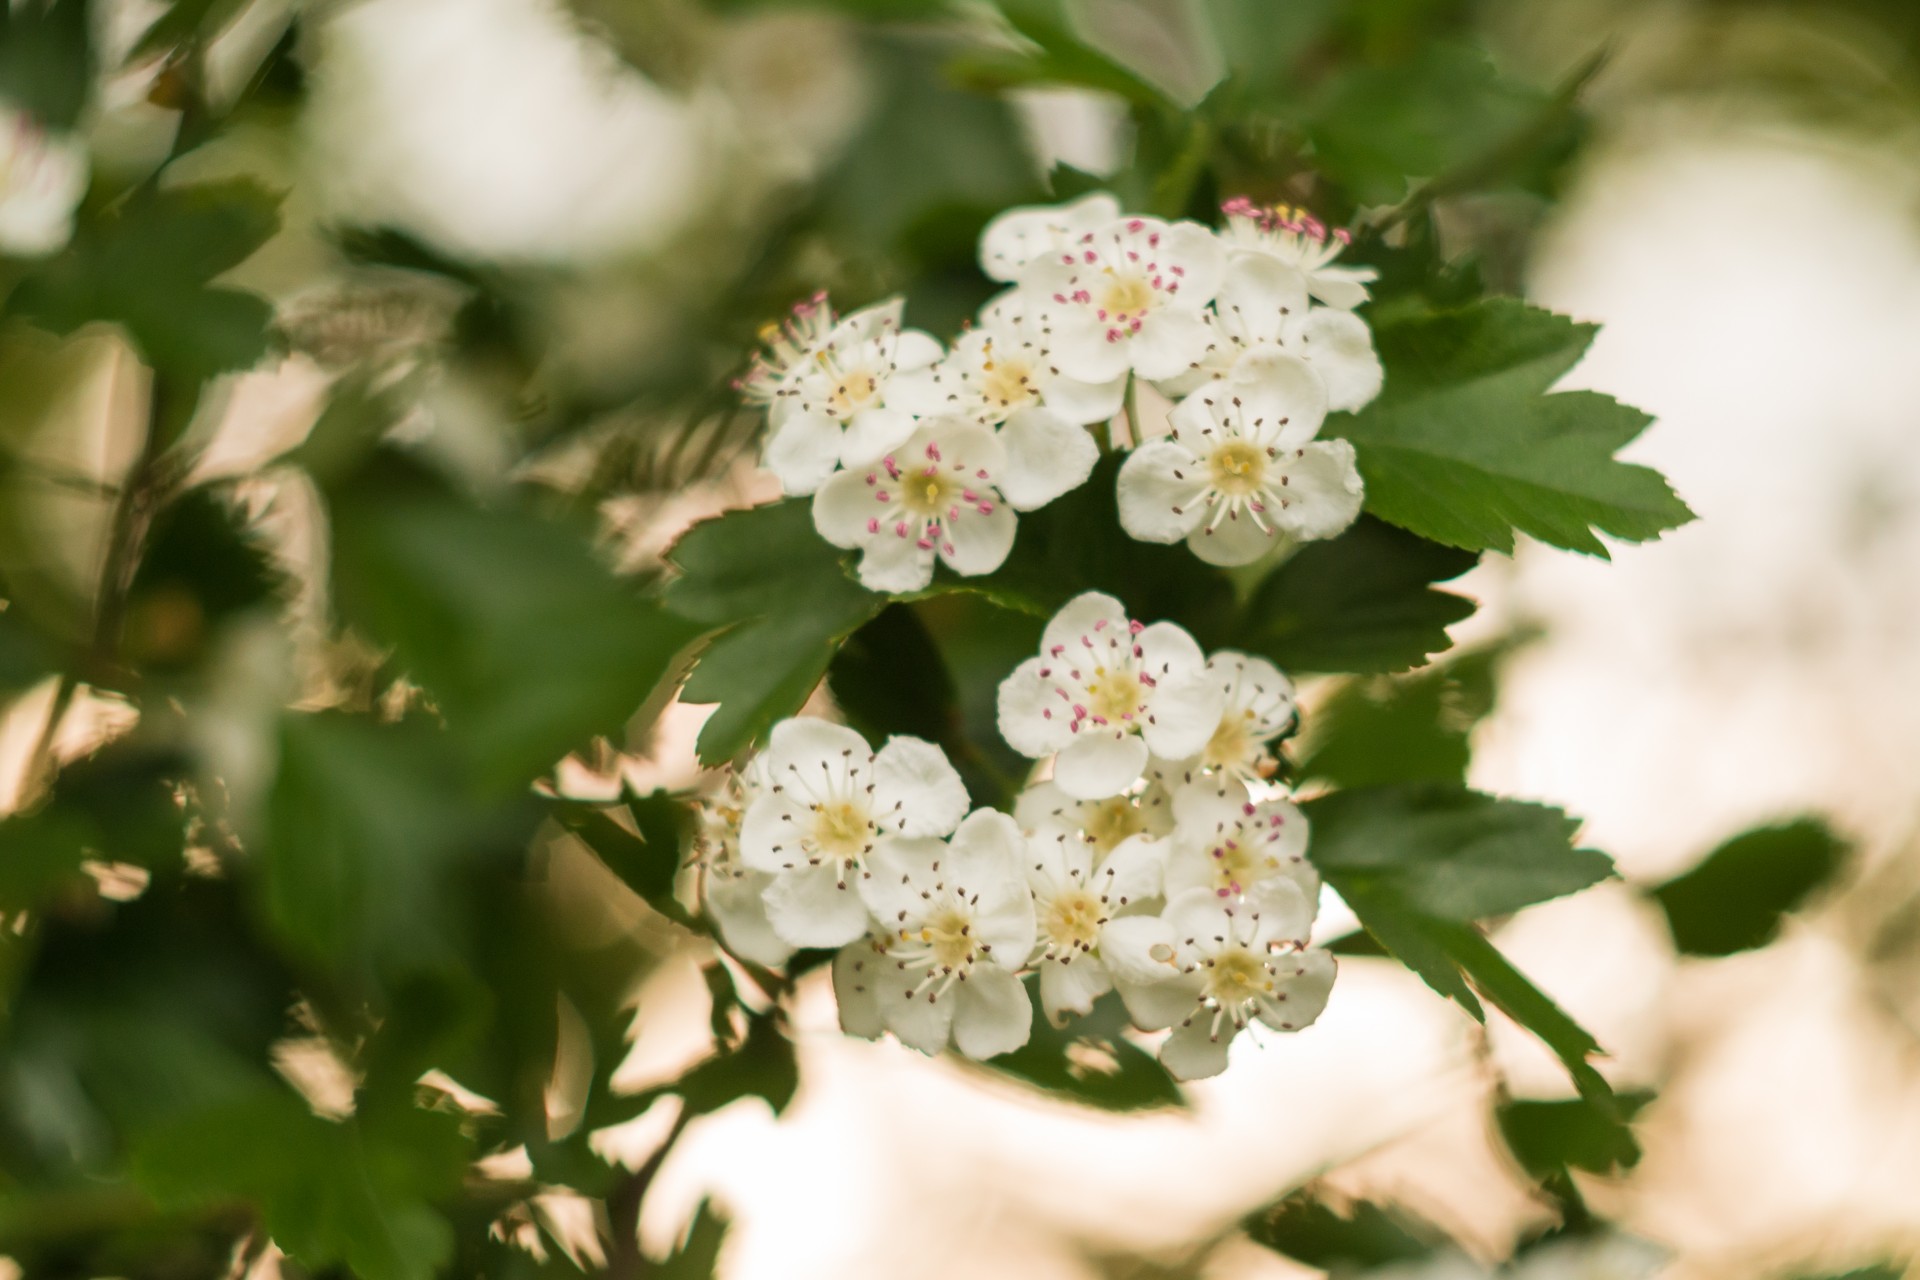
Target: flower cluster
915 453
1157 858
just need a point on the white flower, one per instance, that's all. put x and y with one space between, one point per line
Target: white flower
1130 295
830 802
1242 467
941 493
42 179
732 892
1044 809
1605 1257
1231 846
1015 238
1300 240
825 387
958 925
1263 306
1209 966
1259 707
1076 894
1105 693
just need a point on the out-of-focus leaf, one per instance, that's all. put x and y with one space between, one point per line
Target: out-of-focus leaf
1548 1138
778 588
46 59
646 858
149 267
1466 445
356 1193
1057 57
1361 602
761 1066
529 644
25 655
185 20
1089 1060
1379 731
1734 901
1367 1235
117 806
698 1256
198 569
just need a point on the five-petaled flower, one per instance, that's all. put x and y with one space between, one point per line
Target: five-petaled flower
1077 892
1300 240
1234 846
1018 236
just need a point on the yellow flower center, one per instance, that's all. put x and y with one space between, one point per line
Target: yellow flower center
926 495
948 935
1113 694
1006 384
1232 743
1239 865
1237 975
1073 919
1113 821
852 392
1238 468
1126 296
841 829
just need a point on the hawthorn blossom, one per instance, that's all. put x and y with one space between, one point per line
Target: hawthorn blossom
1209 967
830 802
1018 236
825 384
1242 467
1077 892
733 893
1258 708
1043 809
1263 306
1233 846
943 493
1297 238
1105 693
958 926
1130 295
42 178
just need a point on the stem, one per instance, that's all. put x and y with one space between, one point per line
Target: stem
1133 412
624 1259
146 490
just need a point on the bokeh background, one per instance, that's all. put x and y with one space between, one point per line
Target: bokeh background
1744 221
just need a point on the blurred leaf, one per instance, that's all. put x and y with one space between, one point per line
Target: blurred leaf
26 656
1734 901
1056 57
761 1066
778 588
527 642
1415 728
1448 852
187 20
1367 1235
1089 1060
698 1256
117 806
888 678
354 1193
1466 446
647 862
1361 602
1262 42
149 267
46 59
199 568
1548 1138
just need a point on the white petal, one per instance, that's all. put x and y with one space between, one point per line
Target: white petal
1160 488
988 849
1169 652
974 543
1156 1005
802 742
1134 871
963 446
1081 402
992 1015
1171 341
1083 617
738 908
804 451
920 1022
873 434
1046 457
1306 994
1235 540
1073 987
855 969
1286 393
1082 350
914 351
1193 1053
808 908
1285 911
1340 346
1014 238
1200 257
1045 807
1324 490
1139 950
867 324
924 393
900 875
1258 297
1197 914
843 506
770 831
1031 715
915 784
894 565
1100 764
1341 287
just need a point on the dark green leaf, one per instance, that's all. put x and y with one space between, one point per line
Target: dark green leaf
1508 989
648 856
529 644
1466 446
46 59
1548 1138
768 577
1089 1061
1414 728
761 1066
1734 901
26 656
1365 1236
698 1256
199 569
117 806
1361 602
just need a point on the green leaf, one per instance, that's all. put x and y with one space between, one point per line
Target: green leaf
1367 1235
1509 990
1466 446
117 806
149 268
356 1193
46 59
528 643
648 856
1548 1138
1379 731
1447 852
778 588
1361 602
199 569
1089 1060
26 656
1734 901
761 1066
698 1256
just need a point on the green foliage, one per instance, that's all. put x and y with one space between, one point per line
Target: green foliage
117 807
1735 899
1366 1235
1550 1138
46 59
1466 446
1089 1060
150 266
780 592
644 850
1415 728
698 1255
1361 602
